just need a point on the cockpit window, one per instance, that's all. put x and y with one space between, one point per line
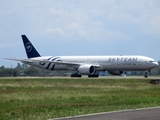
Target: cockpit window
152 61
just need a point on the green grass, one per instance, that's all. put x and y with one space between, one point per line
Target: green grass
44 98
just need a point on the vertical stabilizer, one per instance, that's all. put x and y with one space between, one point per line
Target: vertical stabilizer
30 49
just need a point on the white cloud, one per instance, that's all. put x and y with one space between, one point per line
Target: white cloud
155 26
59 12
97 20
83 15
54 30
6 45
77 28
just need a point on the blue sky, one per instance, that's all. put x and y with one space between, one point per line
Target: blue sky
80 27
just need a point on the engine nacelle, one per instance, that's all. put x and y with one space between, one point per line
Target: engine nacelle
116 72
86 69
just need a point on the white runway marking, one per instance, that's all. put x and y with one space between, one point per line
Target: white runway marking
138 114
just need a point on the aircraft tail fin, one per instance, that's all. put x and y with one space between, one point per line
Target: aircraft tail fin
30 49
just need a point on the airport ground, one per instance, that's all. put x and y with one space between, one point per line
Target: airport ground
47 98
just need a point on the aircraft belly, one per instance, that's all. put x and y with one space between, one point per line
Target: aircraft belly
52 66
60 67
124 67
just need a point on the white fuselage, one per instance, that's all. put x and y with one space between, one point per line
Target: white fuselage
105 63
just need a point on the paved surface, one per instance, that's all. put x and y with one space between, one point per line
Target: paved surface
137 114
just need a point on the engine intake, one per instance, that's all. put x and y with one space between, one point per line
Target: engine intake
86 69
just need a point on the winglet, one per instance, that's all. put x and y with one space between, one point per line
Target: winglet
30 49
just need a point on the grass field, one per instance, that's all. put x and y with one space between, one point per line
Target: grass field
45 98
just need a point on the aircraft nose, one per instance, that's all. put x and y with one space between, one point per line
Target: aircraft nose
156 64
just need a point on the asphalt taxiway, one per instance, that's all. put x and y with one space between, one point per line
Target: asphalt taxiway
136 114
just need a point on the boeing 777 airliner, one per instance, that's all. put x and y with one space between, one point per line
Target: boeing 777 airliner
87 65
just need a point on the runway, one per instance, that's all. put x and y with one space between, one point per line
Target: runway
136 114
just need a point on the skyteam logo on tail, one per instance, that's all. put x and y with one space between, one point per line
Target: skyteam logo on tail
28 47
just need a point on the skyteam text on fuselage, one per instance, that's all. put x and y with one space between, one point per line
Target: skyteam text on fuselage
87 65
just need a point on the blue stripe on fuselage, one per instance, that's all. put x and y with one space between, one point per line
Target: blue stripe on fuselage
48 66
51 63
53 67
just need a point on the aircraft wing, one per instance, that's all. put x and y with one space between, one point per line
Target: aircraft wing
69 63
22 60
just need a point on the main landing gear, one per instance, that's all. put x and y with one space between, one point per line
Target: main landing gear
76 75
94 75
79 75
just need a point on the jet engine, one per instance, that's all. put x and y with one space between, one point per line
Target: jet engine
86 69
116 72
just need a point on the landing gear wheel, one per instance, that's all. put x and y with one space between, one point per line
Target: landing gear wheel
146 76
76 75
93 75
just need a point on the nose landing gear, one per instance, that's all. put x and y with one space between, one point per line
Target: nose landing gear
147 73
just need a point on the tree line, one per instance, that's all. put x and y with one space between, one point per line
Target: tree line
26 70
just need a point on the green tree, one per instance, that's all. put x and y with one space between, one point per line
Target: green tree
19 67
32 71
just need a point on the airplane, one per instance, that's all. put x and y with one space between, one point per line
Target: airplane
87 65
